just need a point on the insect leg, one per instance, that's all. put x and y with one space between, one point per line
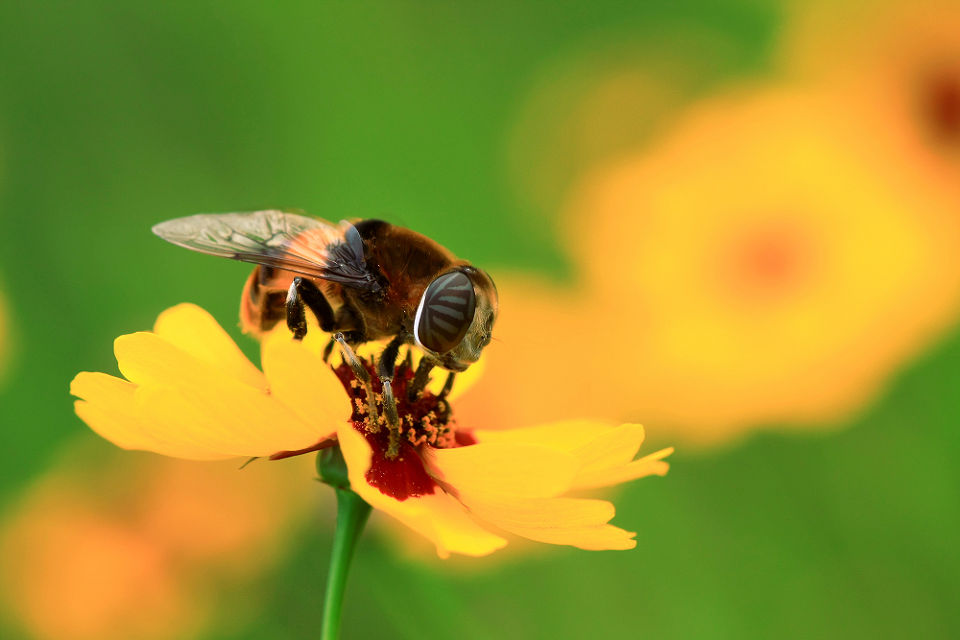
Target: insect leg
386 368
420 379
303 293
364 377
447 386
328 350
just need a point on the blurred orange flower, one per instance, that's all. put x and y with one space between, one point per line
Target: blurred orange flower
70 572
896 64
128 551
192 394
755 266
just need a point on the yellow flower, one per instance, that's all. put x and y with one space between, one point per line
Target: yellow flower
191 393
601 101
760 265
898 69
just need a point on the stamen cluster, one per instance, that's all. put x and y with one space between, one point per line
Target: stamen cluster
425 421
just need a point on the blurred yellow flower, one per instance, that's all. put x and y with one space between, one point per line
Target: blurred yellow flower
601 101
192 394
542 326
898 69
120 551
754 267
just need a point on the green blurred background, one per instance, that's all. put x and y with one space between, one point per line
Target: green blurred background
114 116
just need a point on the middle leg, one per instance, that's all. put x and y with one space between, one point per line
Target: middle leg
420 379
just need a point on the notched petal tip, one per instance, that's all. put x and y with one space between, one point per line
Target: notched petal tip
609 475
189 407
656 461
101 388
106 404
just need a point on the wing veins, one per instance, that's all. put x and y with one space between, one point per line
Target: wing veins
303 245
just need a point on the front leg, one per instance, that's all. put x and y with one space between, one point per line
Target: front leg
447 386
420 379
302 294
387 367
364 377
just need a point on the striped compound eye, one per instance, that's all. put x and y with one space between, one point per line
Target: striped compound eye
445 312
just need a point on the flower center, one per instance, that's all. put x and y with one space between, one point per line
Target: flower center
766 262
941 105
425 421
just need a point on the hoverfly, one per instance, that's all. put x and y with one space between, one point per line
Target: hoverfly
367 280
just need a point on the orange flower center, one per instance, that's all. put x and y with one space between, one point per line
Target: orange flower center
764 263
425 421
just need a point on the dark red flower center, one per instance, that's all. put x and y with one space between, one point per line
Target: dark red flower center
425 421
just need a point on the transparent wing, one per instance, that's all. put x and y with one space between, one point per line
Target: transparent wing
303 245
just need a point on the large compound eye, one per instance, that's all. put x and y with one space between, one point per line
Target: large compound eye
445 312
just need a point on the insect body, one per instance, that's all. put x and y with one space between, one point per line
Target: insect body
364 281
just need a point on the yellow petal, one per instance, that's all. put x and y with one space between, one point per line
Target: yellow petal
608 459
611 448
650 465
573 521
565 436
230 421
605 452
195 331
183 398
548 513
299 378
605 537
438 517
108 406
146 358
444 521
504 469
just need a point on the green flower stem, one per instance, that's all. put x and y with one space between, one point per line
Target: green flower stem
352 514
